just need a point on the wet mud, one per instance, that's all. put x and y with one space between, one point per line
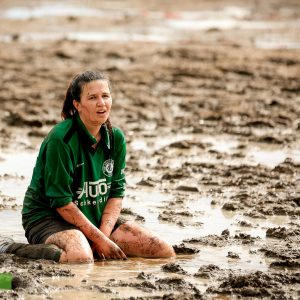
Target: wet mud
211 118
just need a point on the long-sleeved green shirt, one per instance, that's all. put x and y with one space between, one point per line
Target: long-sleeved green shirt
69 169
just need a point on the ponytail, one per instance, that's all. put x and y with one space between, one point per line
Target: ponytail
68 110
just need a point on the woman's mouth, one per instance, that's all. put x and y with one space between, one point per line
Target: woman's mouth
101 112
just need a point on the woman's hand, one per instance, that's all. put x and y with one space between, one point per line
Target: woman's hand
107 249
102 244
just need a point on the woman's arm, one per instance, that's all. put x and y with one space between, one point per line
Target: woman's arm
104 246
110 215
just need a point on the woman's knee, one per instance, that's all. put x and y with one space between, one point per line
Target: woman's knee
138 241
166 250
74 244
157 247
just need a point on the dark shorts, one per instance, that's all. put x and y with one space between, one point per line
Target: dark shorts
42 229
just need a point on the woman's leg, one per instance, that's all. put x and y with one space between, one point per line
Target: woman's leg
36 251
135 240
74 245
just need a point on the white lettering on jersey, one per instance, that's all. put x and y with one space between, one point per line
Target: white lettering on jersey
90 203
93 189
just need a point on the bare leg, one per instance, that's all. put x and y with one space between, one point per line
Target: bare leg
135 240
74 245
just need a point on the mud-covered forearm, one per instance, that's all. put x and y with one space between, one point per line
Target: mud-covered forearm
73 215
110 215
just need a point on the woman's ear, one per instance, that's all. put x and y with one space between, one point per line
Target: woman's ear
75 104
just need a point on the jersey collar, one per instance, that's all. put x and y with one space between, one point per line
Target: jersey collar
91 140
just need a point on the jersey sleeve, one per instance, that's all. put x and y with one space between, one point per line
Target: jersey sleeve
57 173
119 156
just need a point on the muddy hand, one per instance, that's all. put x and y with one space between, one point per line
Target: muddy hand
107 249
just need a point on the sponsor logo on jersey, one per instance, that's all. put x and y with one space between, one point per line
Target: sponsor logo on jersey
108 167
89 202
93 189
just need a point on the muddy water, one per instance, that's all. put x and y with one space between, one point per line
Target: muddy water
148 202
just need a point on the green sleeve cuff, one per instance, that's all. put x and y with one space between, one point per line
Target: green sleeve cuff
59 202
116 195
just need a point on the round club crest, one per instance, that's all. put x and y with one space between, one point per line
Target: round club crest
108 167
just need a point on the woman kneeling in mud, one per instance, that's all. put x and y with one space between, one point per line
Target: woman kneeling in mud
71 210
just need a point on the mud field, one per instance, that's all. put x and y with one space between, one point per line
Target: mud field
208 95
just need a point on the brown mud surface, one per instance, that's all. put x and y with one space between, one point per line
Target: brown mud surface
208 113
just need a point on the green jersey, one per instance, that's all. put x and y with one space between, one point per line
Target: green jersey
69 169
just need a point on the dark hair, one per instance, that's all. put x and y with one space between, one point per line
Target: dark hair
74 92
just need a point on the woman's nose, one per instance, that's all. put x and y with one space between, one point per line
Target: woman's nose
100 101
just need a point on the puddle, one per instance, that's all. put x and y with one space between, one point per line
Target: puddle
221 143
275 43
99 272
237 12
224 23
58 10
230 11
87 36
268 155
156 144
15 174
13 225
271 156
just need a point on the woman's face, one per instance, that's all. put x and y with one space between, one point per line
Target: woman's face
95 103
